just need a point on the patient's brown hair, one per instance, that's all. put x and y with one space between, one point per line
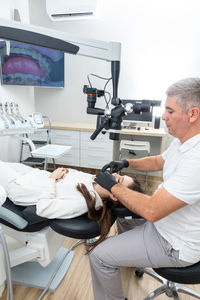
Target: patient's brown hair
103 215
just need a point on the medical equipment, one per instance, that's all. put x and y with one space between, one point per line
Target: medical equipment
124 110
36 257
112 118
51 151
41 150
144 113
109 51
14 108
12 121
38 119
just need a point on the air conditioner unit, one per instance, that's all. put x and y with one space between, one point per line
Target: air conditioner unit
62 10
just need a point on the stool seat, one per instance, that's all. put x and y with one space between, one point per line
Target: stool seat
186 275
135 145
79 228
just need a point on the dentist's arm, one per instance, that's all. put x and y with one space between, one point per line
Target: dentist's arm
145 164
151 208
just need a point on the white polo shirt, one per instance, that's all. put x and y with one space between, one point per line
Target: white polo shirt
181 178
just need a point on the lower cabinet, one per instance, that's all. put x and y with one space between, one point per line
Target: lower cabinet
84 152
95 153
69 138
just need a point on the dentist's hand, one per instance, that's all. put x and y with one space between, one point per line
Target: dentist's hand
116 166
106 180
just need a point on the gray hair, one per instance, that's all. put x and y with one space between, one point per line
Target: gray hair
187 93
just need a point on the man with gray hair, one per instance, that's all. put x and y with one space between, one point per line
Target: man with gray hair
169 235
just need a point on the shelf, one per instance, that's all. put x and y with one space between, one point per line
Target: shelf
51 151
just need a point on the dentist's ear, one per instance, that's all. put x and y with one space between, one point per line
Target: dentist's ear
194 113
112 197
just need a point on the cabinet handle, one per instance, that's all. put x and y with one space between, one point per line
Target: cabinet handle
96 157
95 148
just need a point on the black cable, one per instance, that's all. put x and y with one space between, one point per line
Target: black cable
107 102
99 76
105 92
89 81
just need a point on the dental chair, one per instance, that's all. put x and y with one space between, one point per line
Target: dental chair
36 256
38 260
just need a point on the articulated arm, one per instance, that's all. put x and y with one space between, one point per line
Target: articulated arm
59 40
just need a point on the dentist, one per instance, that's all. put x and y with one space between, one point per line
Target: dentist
169 234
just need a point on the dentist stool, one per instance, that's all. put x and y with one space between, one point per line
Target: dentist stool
172 280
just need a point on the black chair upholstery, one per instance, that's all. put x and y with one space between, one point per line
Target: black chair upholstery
172 280
187 275
122 212
79 227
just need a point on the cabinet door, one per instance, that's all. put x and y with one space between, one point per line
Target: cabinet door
96 160
95 153
66 137
70 138
70 159
101 143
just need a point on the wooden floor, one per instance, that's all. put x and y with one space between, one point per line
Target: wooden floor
77 282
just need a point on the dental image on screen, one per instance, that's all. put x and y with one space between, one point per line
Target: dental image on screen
31 65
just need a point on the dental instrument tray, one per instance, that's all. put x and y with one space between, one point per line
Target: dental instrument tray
51 151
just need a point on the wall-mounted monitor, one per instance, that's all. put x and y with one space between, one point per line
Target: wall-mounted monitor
31 65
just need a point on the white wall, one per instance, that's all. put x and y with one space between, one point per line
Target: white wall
160 44
24 96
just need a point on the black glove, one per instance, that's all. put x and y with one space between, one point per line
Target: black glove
106 180
116 166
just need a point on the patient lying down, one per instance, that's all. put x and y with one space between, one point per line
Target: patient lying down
63 194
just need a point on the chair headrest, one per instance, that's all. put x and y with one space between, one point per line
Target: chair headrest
21 217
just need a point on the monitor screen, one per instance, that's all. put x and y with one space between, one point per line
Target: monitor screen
31 65
143 111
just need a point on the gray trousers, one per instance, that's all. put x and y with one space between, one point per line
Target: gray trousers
135 246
